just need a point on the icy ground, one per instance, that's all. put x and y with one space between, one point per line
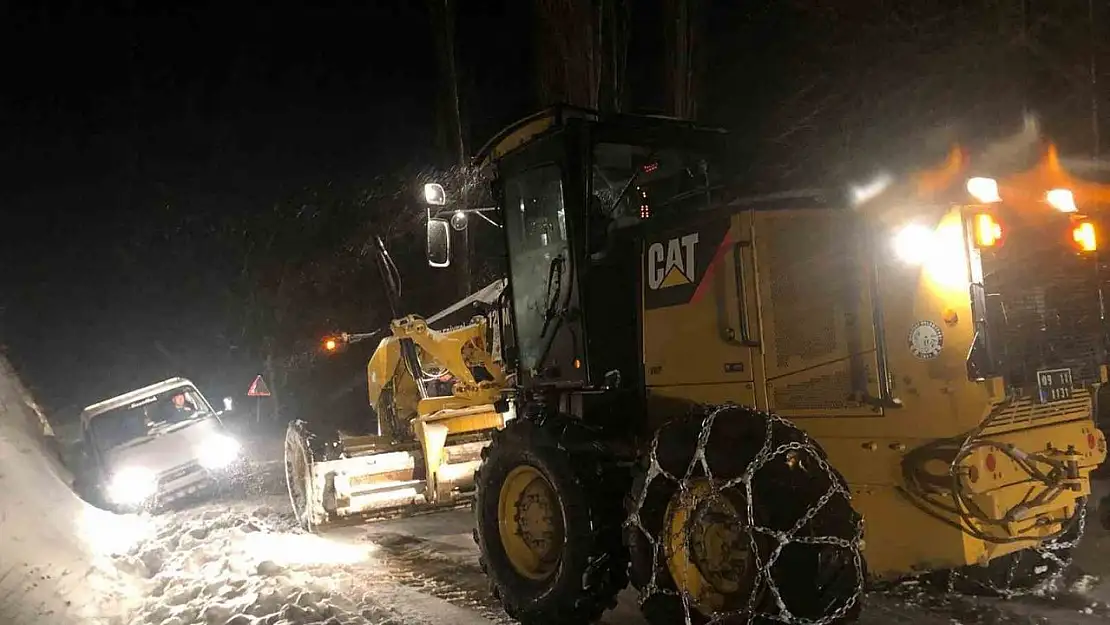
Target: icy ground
241 561
244 562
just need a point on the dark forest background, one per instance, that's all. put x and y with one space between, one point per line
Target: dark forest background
189 189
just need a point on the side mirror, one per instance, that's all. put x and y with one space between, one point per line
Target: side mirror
439 243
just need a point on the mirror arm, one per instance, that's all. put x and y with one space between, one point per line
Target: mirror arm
492 222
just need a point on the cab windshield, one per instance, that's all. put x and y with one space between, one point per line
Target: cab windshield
147 418
631 181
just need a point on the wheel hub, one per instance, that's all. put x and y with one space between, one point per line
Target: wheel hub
719 547
530 523
708 550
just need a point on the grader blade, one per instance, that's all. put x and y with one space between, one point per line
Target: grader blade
356 479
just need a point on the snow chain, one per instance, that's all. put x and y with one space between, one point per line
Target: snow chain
780 539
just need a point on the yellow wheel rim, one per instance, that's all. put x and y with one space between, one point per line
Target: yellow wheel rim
530 522
708 553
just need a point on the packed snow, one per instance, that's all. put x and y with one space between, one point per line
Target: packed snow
55 564
242 561
246 568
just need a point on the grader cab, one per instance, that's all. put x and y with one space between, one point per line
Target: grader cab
719 397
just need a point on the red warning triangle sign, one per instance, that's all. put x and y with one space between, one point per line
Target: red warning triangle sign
258 388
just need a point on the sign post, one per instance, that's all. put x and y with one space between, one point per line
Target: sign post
258 390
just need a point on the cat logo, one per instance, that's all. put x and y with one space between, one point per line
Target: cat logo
672 265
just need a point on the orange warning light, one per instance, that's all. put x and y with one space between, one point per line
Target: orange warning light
987 231
1085 237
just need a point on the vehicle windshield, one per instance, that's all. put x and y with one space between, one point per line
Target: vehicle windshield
147 418
639 182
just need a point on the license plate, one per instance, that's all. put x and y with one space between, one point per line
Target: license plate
1054 385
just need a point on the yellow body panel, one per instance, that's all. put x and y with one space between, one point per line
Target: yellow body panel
779 314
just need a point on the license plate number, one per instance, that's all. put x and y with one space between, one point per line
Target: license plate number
1054 385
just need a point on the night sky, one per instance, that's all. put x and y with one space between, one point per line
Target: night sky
132 131
146 147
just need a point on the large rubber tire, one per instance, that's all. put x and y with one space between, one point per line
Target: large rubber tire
820 583
298 472
587 488
1016 573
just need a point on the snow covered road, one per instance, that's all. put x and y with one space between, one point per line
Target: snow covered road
245 557
241 561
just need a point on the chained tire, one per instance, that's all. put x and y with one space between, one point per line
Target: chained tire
548 522
298 474
1021 572
739 518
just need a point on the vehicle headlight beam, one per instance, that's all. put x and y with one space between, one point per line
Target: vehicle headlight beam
219 451
132 486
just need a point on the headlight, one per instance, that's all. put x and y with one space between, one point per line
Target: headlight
219 451
914 243
939 251
132 485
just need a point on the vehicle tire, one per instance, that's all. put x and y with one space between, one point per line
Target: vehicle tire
1020 572
298 474
548 519
700 553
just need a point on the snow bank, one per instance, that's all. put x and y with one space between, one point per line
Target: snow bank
54 548
225 565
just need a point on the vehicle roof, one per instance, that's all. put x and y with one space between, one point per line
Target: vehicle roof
525 130
122 400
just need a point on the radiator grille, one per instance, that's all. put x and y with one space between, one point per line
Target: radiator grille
1050 314
1027 412
827 390
179 472
813 286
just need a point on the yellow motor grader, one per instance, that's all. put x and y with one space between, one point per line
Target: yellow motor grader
436 395
718 398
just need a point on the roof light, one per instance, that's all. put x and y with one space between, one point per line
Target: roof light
1062 200
984 189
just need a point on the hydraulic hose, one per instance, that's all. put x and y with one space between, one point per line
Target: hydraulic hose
928 492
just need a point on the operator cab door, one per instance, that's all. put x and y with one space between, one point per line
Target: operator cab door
540 195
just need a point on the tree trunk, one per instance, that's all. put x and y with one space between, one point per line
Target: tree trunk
615 23
569 52
451 130
681 25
